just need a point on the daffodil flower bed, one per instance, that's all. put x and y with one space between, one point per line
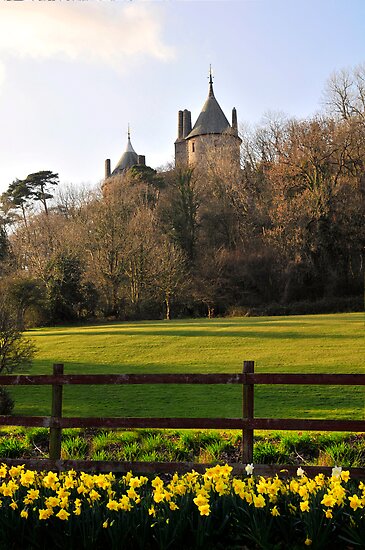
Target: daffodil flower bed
213 510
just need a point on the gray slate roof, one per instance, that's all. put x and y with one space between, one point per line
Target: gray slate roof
211 120
127 160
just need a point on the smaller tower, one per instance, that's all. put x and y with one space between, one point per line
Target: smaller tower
126 161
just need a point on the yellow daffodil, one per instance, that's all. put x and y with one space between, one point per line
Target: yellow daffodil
27 478
345 476
221 487
355 502
304 506
303 492
63 515
200 500
157 483
50 480
16 471
125 504
94 495
135 482
259 501
51 502
81 489
204 510
158 496
328 500
32 495
113 505
45 514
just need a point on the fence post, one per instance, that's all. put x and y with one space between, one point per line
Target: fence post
247 413
56 414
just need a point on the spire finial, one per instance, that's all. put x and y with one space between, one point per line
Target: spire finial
210 80
129 131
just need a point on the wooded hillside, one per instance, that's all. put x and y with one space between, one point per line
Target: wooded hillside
285 233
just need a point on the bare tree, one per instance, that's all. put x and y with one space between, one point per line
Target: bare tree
344 94
169 276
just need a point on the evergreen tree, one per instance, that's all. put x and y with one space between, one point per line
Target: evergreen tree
17 197
39 185
64 287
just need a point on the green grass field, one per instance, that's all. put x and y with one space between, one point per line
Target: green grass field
301 344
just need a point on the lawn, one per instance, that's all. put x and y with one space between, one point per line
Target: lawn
302 344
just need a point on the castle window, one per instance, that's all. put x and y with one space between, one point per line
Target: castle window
193 147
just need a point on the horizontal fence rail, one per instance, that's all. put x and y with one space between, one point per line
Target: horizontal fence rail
185 423
247 422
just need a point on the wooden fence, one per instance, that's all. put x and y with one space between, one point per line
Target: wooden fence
247 423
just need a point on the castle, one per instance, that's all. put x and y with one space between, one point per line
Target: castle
212 136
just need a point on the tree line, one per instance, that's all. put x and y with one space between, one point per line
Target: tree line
283 233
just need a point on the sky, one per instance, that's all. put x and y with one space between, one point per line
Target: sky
74 74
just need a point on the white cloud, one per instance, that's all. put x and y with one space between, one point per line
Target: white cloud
110 33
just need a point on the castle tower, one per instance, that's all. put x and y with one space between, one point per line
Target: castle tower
211 136
126 161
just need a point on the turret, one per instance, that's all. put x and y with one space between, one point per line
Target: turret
127 160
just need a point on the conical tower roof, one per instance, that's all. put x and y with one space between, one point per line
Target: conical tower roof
127 160
211 120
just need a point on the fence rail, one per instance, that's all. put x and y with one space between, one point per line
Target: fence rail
247 422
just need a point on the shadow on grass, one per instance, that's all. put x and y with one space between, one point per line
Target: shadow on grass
176 333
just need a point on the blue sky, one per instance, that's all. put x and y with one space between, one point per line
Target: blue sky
74 74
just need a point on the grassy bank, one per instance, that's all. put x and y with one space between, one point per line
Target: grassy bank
302 344
201 446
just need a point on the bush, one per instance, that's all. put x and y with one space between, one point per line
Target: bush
6 402
336 304
15 350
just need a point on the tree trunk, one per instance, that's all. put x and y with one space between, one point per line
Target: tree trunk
168 308
44 200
